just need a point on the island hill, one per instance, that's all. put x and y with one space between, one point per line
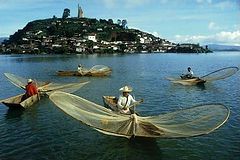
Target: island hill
86 36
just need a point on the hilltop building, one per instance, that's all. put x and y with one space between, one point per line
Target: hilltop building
80 12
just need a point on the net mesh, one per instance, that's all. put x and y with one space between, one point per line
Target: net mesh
220 74
69 88
189 122
99 68
45 87
20 81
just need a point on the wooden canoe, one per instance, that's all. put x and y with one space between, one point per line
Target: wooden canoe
87 74
110 102
188 82
15 101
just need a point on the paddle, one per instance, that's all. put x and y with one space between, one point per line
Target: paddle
135 104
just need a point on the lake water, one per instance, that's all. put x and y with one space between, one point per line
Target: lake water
45 132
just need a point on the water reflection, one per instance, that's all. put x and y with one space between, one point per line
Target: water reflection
14 113
121 148
146 146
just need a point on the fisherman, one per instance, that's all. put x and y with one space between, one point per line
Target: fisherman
125 100
189 74
80 68
31 89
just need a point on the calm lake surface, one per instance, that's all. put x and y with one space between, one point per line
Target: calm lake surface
45 132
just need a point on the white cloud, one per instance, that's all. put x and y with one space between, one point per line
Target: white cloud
156 34
230 38
225 4
213 26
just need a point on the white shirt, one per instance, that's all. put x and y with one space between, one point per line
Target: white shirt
80 69
190 72
123 100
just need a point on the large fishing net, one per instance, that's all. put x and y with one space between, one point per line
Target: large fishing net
99 68
220 74
45 87
188 122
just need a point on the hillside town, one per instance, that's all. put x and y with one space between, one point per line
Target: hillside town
80 35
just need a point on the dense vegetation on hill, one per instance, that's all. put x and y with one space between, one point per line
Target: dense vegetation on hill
88 35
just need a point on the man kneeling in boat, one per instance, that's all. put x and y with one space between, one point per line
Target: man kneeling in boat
80 69
189 74
125 100
31 89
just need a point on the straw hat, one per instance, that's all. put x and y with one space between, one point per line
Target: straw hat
126 89
29 80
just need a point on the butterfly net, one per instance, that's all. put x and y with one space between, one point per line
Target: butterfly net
220 74
20 81
45 87
99 68
188 122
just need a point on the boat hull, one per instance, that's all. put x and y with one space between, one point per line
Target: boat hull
15 101
87 74
188 82
110 102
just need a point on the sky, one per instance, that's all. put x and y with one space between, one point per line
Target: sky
179 21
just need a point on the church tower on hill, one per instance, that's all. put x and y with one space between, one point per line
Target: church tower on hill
80 12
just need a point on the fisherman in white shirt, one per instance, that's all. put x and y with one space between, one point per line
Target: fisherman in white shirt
125 100
189 74
80 69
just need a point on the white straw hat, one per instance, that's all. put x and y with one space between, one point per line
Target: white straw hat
29 80
126 89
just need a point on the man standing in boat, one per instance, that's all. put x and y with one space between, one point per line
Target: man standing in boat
125 100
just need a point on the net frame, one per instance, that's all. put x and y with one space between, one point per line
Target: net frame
229 72
160 126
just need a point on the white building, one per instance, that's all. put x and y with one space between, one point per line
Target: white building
92 37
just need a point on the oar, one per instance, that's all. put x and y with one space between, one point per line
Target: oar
135 103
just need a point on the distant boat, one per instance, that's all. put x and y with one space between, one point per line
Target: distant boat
213 76
15 101
187 82
95 71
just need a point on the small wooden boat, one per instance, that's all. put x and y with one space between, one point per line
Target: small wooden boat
87 74
95 71
110 102
189 82
15 101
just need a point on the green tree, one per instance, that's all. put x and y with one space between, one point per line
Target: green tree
124 23
66 13
119 22
110 21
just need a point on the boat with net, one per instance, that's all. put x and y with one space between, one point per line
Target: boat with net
16 102
213 76
95 71
44 88
187 122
